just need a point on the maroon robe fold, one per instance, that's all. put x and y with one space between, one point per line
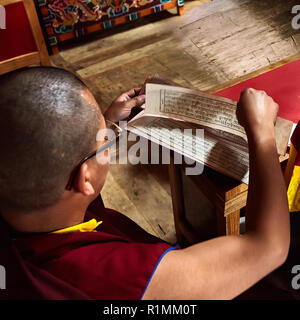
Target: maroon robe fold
116 262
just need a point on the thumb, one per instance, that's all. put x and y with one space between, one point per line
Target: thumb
136 101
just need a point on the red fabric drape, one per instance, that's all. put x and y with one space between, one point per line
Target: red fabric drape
17 38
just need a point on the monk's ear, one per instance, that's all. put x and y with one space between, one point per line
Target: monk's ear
82 182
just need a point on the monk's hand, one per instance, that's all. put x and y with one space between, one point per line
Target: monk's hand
257 113
122 107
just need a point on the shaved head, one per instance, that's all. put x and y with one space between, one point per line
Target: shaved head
47 125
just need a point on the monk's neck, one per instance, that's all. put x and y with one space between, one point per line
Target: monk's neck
45 220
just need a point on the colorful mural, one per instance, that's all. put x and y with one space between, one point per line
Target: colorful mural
65 19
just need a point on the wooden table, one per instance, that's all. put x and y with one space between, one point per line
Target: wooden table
227 195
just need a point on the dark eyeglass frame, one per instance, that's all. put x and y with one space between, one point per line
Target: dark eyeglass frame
105 146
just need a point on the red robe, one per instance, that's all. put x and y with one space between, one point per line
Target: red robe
116 262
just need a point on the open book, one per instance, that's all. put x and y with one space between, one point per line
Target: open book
221 144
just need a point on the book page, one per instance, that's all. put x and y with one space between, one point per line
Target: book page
283 129
229 138
210 151
223 148
193 106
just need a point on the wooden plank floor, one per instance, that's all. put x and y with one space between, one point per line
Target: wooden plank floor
213 43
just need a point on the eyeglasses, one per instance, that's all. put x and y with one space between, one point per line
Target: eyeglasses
111 136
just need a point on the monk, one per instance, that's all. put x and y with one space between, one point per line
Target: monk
59 242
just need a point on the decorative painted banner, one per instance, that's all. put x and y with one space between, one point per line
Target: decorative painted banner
67 19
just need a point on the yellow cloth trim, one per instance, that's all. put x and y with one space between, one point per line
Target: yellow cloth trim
294 191
82 227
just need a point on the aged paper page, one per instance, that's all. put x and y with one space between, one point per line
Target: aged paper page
283 130
228 138
169 110
193 106
207 110
222 157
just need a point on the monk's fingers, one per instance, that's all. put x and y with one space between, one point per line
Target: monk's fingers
133 92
